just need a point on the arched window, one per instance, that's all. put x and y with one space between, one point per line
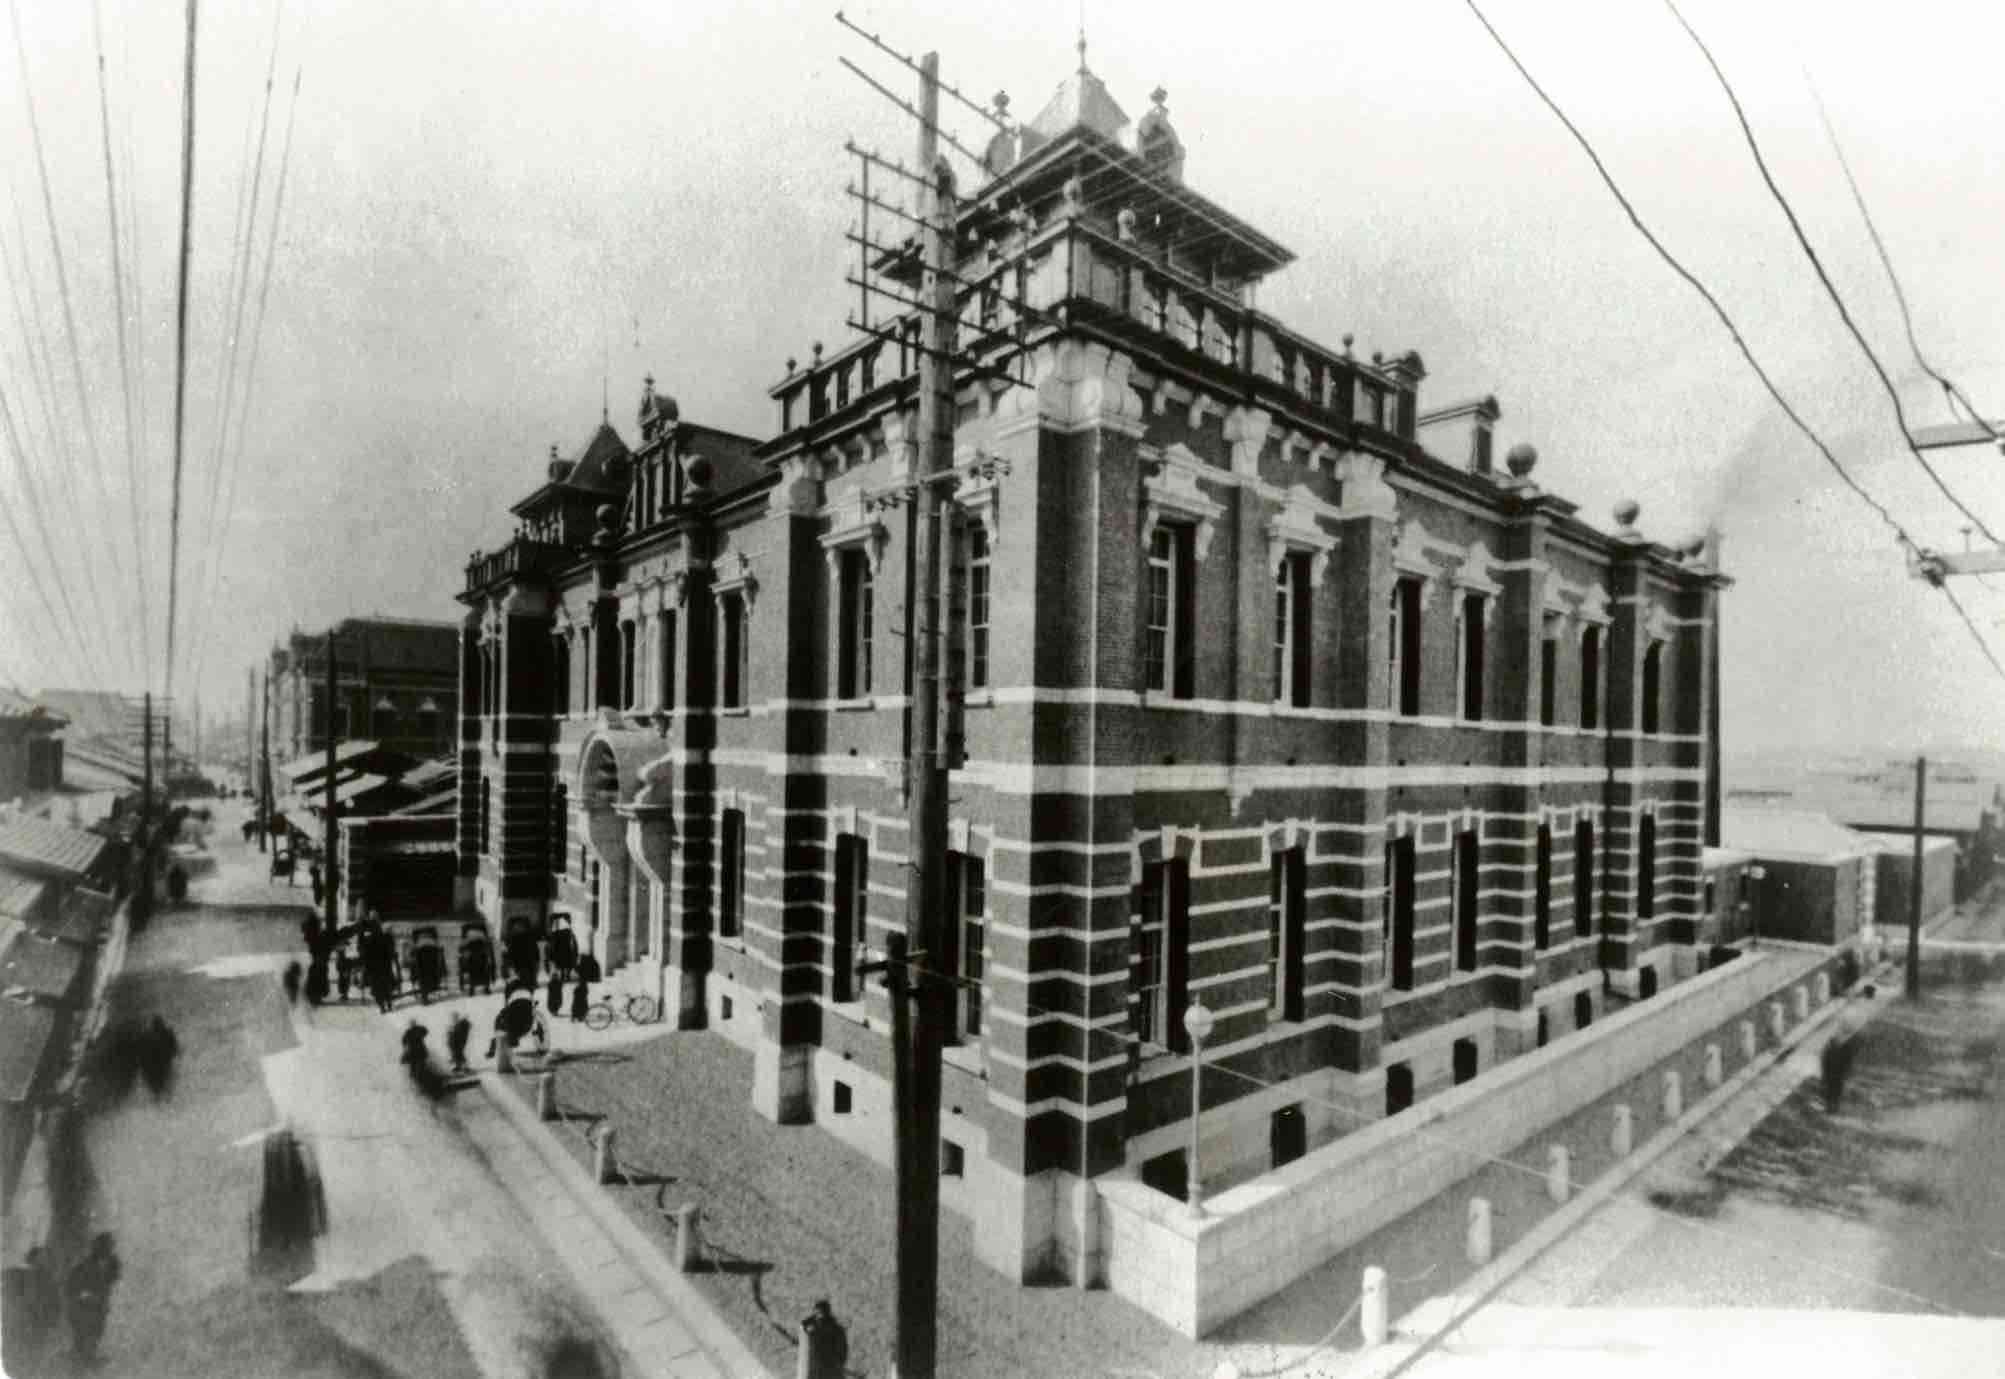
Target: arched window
383 719
1653 673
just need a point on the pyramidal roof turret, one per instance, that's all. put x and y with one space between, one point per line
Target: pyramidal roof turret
1081 99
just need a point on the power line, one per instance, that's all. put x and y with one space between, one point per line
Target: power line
20 543
181 341
1830 288
1740 343
86 414
1955 394
124 365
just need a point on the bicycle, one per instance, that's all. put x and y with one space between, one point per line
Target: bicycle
638 1008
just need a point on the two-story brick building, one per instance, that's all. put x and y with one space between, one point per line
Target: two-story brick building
1378 751
394 684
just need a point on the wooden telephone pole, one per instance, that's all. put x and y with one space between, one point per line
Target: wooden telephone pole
1914 884
329 909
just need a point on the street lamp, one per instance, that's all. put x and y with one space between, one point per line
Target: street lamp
1197 1024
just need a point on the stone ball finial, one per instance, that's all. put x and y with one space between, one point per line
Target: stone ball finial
817 354
1522 460
608 515
1158 97
699 473
1626 512
1124 224
792 365
1002 104
1347 344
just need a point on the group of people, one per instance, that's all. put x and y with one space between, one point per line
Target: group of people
372 966
144 1050
35 1297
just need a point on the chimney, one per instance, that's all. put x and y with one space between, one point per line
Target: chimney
1463 432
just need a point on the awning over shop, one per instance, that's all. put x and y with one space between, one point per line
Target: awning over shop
50 849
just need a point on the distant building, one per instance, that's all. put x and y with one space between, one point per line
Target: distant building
1379 751
395 679
31 750
1818 883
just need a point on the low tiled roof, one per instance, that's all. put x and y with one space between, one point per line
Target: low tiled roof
40 966
49 849
428 773
82 917
438 802
1789 833
24 1038
20 893
314 763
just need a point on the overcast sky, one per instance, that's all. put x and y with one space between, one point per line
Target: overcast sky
492 209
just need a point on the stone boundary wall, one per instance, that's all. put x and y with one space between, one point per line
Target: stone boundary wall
1257 1238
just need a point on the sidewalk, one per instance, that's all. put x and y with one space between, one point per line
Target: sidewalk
664 1326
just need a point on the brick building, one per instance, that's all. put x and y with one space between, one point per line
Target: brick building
1378 750
31 746
395 682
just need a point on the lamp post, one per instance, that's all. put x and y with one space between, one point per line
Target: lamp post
1757 875
1197 1024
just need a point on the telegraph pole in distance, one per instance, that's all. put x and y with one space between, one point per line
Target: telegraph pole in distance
327 879
261 761
1914 885
142 897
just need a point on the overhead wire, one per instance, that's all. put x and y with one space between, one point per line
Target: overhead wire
258 317
1608 179
124 363
1830 288
124 634
34 504
1955 394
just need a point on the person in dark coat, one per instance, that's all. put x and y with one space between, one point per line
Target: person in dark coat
556 996
291 982
827 1343
313 880
457 1033
88 1295
158 1050
581 995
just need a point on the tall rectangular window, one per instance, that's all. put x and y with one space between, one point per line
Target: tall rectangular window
979 571
1646 867
1549 681
1287 906
486 811
1158 963
1467 907
730 873
1292 657
560 828
1542 893
628 650
1403 680
1169 661
853 633
731 613
852 908
1399 882
1583 879
560 675
664 652
1653 672
1590 678
1472 657
967 885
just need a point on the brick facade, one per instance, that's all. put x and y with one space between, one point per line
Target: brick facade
1182 777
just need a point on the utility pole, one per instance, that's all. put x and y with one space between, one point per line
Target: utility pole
328 888
142 896
919 1062
261 763
1914 884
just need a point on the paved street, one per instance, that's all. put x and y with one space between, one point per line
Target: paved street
1872 1240
430 1266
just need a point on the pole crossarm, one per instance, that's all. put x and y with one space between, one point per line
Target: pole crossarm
910 109
889 209
1932 567
1016 304
878 160
874 41
1956 435
973 369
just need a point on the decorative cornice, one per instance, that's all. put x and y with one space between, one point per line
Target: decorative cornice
1079 385
735 575
1246 432
853 524
1366 493
1475 573
1293 527
1171 487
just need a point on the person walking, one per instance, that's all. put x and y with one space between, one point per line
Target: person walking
88 1299
291 983
556 994
827 1343
158 1049
457 1034
313 880
581 995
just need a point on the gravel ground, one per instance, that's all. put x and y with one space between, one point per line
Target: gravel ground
796 1215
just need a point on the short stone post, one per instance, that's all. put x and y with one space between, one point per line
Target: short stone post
688 1248
1479 1235
1822 991
804 1356
1372 1307
546 1096
1777 1021
1674 1095
1715 1066
504 1054
1747 1041
1623 1138
1559 1172
604 1168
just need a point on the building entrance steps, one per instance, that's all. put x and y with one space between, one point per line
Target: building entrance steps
665 1328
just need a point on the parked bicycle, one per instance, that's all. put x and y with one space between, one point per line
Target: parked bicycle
640 1009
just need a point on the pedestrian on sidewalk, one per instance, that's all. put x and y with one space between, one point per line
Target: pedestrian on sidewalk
827 1343
457 1033
556 997
313 879
157 1054
291 982
581 995
89 1302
